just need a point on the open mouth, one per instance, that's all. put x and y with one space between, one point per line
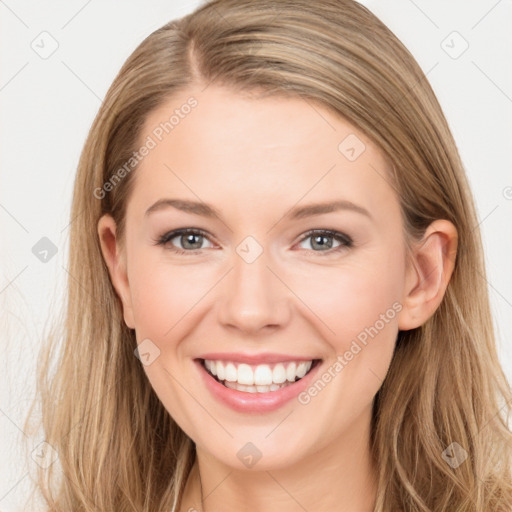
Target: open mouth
258 378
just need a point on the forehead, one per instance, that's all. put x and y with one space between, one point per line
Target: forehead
261 150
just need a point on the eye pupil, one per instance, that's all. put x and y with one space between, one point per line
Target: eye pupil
189 239
319 240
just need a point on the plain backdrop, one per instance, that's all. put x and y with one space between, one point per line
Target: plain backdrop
59 58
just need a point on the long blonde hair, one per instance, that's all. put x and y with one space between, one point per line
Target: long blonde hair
119 449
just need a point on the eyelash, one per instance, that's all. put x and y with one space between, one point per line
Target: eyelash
345 241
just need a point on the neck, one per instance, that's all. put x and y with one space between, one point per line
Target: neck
339 476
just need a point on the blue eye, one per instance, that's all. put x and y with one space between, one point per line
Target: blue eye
192 239
322 238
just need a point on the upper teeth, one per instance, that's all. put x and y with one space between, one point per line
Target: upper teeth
259 375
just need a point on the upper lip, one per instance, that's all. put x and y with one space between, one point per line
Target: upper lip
262 358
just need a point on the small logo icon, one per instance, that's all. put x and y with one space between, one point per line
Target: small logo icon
44 454
249 455
45 45
249 249
44 250
454 455
454 45
147 352
351 147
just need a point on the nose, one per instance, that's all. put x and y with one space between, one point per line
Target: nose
253 299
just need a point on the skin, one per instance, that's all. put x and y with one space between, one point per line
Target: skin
254 159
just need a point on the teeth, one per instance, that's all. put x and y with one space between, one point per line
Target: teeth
255 389
290 371
279 374
245 374
231 374
221 372
262 375
211 366
302 369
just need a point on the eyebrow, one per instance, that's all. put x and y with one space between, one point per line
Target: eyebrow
207 210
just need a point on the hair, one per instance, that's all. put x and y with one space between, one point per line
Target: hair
118 448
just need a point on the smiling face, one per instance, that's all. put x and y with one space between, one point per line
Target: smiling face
260 274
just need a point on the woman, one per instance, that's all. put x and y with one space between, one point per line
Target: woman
325 342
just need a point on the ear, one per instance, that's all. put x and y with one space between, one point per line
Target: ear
428 272
115 259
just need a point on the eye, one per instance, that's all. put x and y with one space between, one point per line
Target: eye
190 239
323 240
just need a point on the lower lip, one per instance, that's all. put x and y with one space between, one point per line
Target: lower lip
255 402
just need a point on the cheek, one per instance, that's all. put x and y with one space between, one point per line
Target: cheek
360 306
166 298
163 293
350 297
356 310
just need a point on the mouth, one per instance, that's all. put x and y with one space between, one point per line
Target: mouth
262 378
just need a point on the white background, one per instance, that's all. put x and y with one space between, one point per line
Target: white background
48 106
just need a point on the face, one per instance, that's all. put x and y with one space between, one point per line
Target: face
265 278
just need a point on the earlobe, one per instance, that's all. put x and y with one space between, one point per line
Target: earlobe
428 274
116 262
